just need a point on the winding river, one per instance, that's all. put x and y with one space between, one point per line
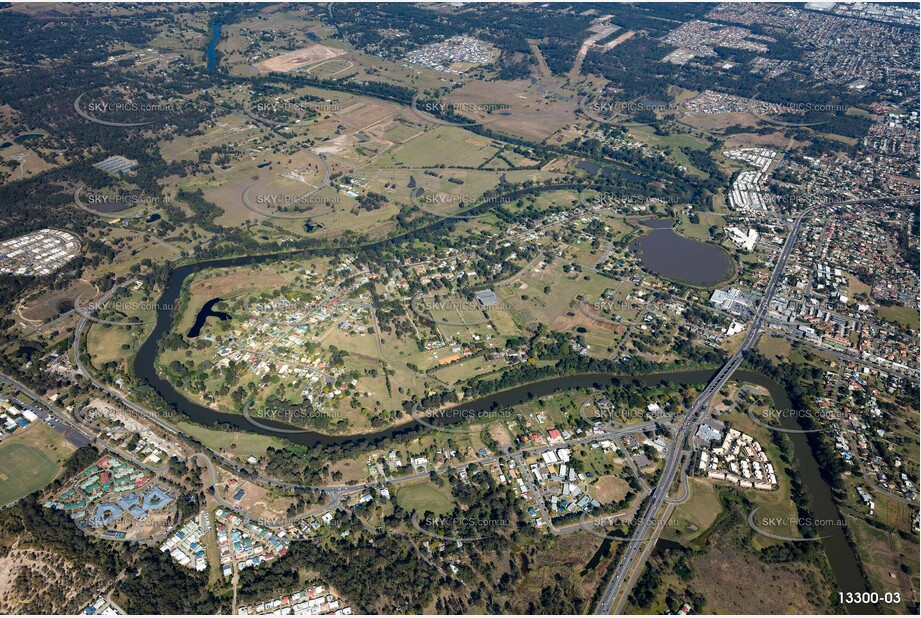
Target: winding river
822 506
144 362
841 556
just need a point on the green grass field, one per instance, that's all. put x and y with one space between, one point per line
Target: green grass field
906 316
695 516
425 496
452 146
775 348
543 296
242 444
23 469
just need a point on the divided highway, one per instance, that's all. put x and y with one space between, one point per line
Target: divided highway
647 530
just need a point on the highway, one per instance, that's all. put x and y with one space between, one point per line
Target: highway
628 568
57 420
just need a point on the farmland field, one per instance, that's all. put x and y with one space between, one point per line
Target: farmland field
529 113
451 145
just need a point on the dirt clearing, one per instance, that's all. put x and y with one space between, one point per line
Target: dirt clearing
298 58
